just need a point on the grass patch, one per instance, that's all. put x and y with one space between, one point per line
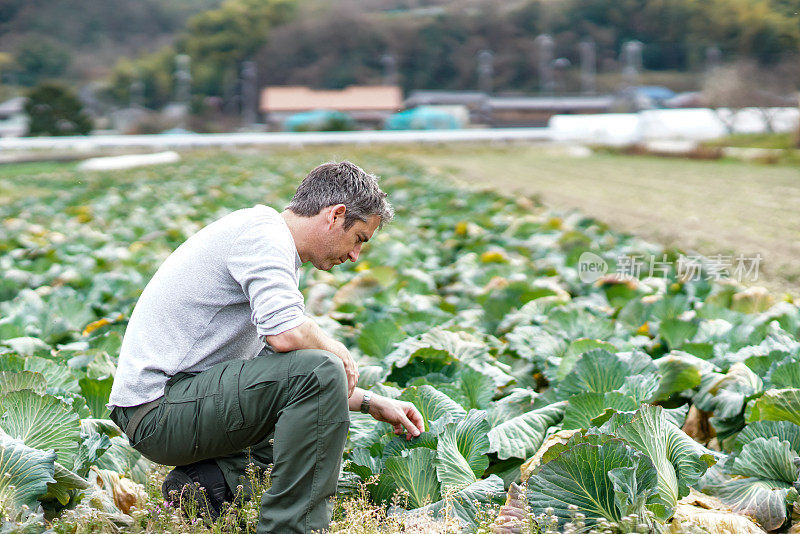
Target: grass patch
781 141
33 167
352 514
783 146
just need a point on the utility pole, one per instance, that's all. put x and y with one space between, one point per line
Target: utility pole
587 50
545 46
183 86
632 62
389 64
249 93
485 71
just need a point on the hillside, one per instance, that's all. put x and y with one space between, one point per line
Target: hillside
322 43
91 40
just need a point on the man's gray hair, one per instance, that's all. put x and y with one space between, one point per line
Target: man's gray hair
342 183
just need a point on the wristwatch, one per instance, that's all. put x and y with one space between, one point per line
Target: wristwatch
365 403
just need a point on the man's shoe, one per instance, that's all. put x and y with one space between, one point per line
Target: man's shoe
201 482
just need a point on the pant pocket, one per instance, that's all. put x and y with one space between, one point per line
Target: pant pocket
226 399
246 410
260 404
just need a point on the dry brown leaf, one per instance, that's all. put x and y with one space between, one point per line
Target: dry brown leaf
696 498
471 230
124 491
795 529
687 518
511 518
100 500
651 299
562 436
754 299
497 282
356 289
525 203
364 284
698 427
617 279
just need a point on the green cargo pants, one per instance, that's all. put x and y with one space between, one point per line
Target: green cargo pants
229 413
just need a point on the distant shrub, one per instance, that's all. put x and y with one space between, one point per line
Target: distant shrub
55 110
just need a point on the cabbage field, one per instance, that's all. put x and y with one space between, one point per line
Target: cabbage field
650 404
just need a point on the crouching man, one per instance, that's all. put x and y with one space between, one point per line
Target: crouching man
219 366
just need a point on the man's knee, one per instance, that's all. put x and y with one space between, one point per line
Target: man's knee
308 361
332 368
328 370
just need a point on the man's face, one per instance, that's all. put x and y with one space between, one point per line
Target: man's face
338 245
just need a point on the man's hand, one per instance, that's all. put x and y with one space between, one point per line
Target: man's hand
310 336
397 413
350 368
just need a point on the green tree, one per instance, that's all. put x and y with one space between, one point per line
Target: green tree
334 46
659 24
38 59
220 39
217 41
155 71
748 28
55 110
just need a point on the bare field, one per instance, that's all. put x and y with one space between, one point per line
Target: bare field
712 207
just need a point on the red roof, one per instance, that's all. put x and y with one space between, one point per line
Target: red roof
354 98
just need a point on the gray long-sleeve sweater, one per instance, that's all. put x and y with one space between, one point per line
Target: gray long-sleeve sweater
212 300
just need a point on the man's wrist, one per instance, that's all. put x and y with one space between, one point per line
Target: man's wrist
365 403
354 402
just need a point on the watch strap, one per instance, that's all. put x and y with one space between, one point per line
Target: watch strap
365 403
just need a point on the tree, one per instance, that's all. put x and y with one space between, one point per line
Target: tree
745 84
55 110
38 59
217 41
6 65
155 71
341 43
659 24
220 39
763 29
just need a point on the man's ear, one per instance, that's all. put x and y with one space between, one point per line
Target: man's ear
335 212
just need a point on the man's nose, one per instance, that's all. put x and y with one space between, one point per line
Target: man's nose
354 253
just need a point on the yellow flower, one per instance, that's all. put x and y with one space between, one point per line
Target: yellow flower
84 214
493 256
554 223
91 327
